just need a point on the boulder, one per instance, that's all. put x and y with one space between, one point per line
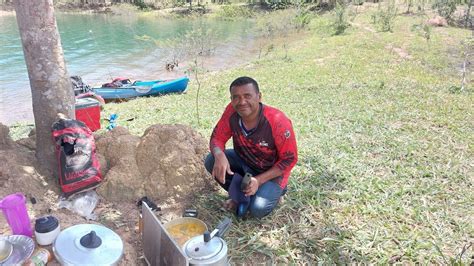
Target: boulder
166 162
437 21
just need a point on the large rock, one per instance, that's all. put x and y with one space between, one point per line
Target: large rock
437 21
166 162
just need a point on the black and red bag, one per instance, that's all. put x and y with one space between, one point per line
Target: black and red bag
79 168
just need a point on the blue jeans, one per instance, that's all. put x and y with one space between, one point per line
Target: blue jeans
268 194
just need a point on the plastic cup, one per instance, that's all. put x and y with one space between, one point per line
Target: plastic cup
14 209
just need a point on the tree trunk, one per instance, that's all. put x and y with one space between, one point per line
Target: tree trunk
468 22
49 81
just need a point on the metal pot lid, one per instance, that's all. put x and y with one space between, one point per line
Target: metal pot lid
88 244
197 249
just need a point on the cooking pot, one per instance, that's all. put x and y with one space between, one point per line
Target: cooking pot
184 228
89 244
209 248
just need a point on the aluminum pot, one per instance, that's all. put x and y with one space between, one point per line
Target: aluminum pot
89 244
209 248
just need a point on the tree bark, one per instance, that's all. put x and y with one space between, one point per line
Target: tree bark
49 80
468 22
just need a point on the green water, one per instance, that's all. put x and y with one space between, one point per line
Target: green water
99 47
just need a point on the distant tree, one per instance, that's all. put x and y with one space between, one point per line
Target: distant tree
49 80
467 19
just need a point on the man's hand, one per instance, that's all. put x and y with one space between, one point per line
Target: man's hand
252 187
221 167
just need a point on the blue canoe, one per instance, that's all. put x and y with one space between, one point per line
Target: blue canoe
142 88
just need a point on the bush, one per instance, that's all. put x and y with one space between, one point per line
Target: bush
141 5
233 11
384 18
423 29
302 19
277 4
445 8
340 20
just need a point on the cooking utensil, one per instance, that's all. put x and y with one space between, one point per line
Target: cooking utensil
158 246
89 244
185 228
6 249
22 248
209 248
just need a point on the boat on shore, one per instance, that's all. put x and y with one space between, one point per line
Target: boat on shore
123 89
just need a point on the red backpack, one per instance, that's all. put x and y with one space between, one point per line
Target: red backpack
79 168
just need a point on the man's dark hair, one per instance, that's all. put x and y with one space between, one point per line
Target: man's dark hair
244 81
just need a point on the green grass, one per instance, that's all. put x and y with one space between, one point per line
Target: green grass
385 171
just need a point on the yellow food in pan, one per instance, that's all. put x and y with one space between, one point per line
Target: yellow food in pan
185 231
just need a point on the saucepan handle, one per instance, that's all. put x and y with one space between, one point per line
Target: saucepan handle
223 227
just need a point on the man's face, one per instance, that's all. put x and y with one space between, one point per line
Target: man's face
245 100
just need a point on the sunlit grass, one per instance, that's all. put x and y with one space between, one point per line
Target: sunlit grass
386 150
385 171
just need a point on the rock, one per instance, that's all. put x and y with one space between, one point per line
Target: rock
167 161
123 182
104 165
437 21
32 133
5 139
29 142
171 156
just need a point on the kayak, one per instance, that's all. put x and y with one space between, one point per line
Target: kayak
122 89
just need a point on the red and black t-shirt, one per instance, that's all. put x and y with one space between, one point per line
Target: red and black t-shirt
271 142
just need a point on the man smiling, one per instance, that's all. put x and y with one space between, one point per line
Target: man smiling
264 146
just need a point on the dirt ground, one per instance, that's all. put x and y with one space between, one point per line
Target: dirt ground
165 164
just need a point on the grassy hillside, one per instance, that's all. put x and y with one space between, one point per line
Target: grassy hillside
385 169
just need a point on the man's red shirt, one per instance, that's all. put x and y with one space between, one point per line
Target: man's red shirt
271 142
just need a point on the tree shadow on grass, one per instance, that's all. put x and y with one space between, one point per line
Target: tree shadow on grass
300 231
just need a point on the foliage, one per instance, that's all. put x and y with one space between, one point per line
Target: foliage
141 5
230 12
176 3
409 4
276 24
194 43
340 23
196 70
200 41
423 29
445 8
276 4
302 18
384 17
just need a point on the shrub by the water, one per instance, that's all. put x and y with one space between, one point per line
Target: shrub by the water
340 23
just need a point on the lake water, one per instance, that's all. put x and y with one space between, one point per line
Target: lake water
100 47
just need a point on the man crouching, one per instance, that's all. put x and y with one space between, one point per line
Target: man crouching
264 147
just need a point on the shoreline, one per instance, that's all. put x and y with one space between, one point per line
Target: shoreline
122 8
213 64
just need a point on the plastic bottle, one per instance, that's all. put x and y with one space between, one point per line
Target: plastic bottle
41 257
